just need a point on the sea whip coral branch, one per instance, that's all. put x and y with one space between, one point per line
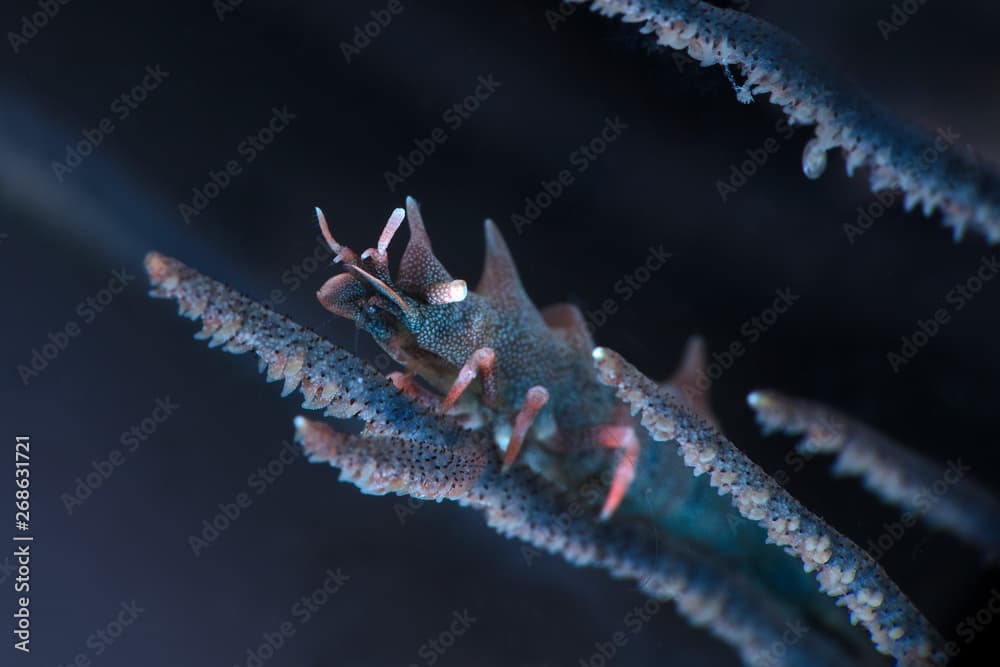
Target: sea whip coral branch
843 570
930 170
945 497
329 377
518 504
405 448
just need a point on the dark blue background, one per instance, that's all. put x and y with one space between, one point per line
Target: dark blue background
656 185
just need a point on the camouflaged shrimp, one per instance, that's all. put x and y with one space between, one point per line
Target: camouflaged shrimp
571 449
520 380
530 372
